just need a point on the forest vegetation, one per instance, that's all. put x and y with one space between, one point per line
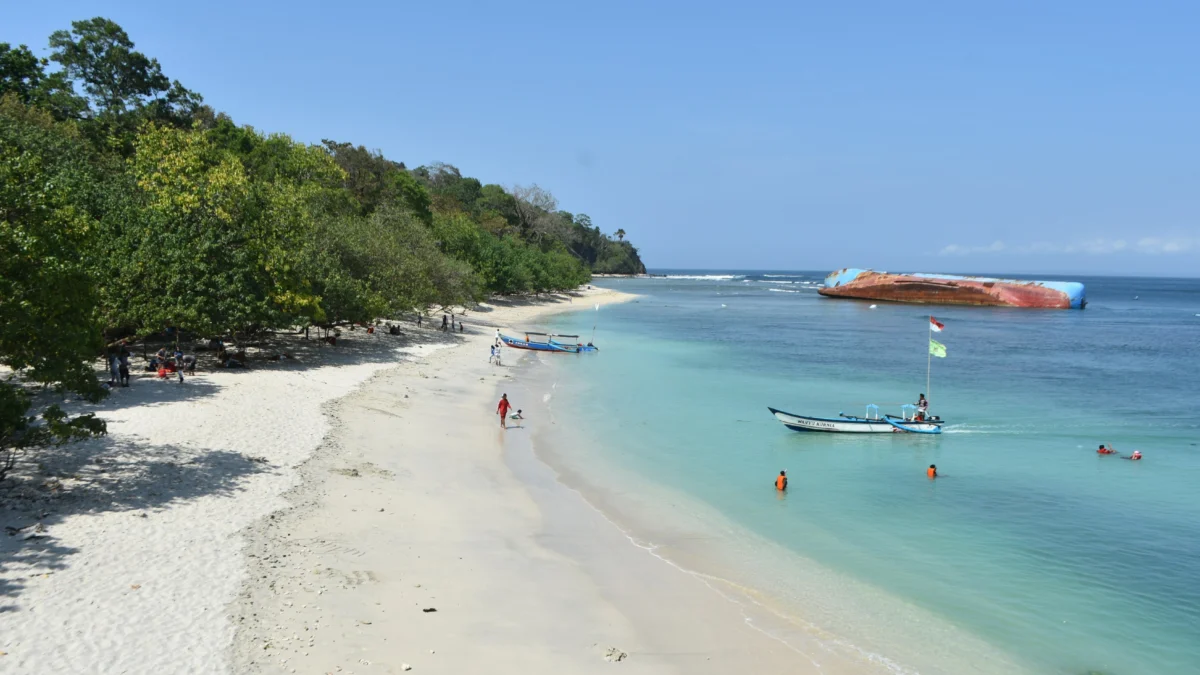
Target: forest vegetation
129 207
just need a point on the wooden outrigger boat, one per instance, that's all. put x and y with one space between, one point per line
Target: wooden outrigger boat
548 344
910 419
870 423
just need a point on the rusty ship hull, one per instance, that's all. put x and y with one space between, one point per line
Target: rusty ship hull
947 289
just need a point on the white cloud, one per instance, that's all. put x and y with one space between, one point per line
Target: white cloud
955 249
1098 246
1156 245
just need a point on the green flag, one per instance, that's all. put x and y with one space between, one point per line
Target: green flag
937 349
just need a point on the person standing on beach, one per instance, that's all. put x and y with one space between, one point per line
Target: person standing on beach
503 408
781 481
445 322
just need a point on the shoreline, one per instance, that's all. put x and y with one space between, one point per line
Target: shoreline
411 505
124 552
835 622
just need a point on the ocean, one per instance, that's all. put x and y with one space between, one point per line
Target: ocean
1031 553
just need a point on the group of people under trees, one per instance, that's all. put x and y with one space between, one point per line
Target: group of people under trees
448 324
169 361
164 363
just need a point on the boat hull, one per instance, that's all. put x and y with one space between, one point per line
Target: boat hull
852 425
947 289
577 348
912 427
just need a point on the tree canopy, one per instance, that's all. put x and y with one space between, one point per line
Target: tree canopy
127 207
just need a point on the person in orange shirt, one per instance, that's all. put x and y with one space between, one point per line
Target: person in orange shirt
781 481
931 471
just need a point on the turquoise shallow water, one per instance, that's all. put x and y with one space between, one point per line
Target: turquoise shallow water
1030 543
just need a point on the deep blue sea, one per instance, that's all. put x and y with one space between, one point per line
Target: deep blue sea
1030 554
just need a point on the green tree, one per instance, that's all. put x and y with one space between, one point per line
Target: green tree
497 210
384 264
24 75
116 78
620 235
48 326
190 255
375 180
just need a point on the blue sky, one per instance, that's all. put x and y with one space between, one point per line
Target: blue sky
929 136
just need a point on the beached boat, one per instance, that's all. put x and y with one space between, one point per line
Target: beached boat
948 289
547 343
870 423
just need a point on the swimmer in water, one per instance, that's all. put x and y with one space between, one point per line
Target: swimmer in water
1137 454
1105 450
931 471
781 481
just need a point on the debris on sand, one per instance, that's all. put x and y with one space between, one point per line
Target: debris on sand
613 654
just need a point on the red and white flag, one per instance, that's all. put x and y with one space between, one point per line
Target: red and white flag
936 325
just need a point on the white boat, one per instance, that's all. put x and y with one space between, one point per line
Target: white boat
870 423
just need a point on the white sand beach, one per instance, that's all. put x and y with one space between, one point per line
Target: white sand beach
349 511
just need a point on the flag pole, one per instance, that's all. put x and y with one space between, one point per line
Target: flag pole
929 359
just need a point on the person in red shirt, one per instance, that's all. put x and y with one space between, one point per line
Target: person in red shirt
1106 451
503 409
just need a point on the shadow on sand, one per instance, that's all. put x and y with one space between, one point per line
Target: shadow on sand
93 477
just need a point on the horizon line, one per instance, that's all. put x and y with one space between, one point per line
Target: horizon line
653 270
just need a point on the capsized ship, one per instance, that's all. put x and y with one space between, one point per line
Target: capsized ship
948 289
